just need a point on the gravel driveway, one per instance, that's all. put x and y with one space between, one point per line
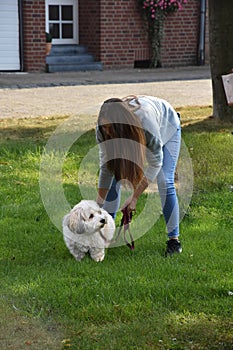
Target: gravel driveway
35 95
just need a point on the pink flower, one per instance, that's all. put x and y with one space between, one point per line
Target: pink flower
166 6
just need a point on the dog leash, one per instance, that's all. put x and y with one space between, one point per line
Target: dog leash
125 222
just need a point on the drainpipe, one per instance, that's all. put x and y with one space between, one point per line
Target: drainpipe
20 5
201 49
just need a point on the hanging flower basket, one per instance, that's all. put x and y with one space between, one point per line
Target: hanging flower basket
154 13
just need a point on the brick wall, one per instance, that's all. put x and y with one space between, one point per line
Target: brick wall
34 50
122 36
89 26
181 36
119 39
114 32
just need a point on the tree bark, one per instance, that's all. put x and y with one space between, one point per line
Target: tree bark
221 53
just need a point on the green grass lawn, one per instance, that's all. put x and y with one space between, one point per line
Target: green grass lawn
132 300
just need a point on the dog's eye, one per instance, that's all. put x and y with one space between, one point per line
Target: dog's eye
91 216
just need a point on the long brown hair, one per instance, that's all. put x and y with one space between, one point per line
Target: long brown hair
124 140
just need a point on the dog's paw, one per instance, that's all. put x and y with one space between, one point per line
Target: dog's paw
97 254
79 256
98 258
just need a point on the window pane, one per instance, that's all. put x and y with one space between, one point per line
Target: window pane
53 12
54 30
67 13
67 31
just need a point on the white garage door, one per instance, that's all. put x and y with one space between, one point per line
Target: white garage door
9 35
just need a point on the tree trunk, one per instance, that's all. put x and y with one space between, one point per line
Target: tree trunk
221 53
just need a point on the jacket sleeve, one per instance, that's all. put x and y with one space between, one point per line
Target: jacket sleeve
154 155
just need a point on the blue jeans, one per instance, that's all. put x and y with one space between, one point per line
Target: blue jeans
166 186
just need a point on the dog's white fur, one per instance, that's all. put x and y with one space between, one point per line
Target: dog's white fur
88 228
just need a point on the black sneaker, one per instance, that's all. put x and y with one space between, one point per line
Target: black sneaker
173 246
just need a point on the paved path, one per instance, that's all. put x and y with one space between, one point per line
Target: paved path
34 95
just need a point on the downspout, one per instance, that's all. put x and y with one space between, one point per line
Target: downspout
201 49
21 57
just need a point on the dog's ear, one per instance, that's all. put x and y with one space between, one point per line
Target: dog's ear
76 223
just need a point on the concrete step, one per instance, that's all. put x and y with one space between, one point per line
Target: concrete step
64 58
68 50
69 59
52 68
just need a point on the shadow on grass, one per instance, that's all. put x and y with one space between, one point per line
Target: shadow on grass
23 135
208 125
199 119
174 331
193 119
21 332
33 129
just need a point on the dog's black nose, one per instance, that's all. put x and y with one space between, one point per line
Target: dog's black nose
103 221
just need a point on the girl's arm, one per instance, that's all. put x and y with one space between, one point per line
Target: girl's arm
131 202
101 195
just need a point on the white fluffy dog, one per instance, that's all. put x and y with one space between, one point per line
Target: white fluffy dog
88 228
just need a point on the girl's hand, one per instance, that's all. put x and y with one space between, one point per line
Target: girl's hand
130 204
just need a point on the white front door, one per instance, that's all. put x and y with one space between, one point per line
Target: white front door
62 21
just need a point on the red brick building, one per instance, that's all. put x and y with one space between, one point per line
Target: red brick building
111 31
